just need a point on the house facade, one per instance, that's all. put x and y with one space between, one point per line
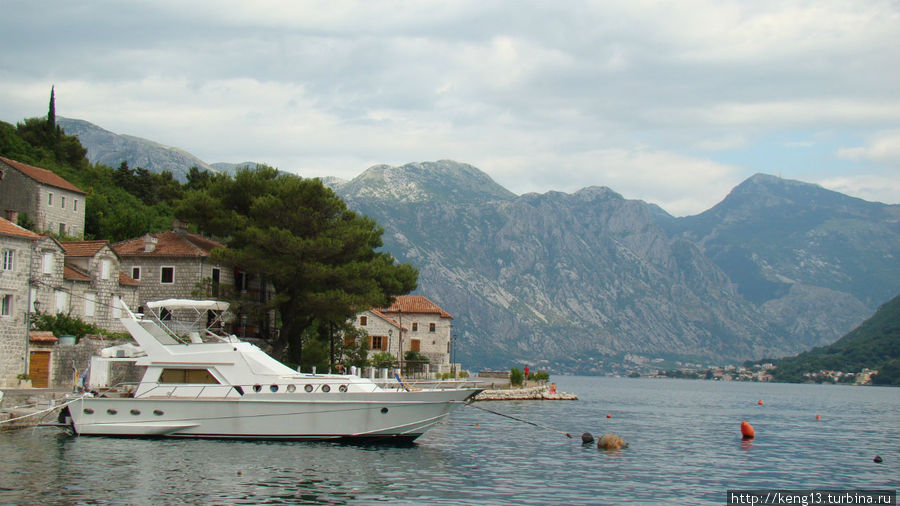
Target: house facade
411 323
49 201
95 285
16 252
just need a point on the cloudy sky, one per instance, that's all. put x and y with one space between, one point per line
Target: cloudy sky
670 102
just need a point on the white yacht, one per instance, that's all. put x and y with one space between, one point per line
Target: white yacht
203 384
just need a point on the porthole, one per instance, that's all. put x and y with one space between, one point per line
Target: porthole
291 388
308 388
257 388
111 412
273 388
158 412
135 412
326 388
342 388
87 411
384 410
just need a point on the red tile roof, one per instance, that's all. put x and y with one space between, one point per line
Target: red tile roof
415 304
42 336
9 228
125 279
175 244
74 273
48 177
82 248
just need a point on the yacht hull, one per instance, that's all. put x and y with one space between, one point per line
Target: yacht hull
363 415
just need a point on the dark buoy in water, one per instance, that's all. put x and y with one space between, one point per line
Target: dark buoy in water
878 459
587 438
747 430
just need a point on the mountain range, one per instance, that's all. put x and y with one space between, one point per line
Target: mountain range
591 282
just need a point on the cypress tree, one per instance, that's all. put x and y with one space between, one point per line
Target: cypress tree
51 114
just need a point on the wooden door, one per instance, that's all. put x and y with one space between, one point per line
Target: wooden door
414 345
39 369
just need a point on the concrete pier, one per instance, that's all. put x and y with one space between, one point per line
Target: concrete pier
531 393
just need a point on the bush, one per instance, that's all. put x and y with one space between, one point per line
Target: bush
516 377
383 359
63 324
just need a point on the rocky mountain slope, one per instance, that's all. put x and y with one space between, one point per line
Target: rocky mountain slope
112 149
589 282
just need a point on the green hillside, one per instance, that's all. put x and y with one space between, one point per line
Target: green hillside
875 345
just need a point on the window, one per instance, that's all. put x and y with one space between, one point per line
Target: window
240 281
104 268
136 273
378 343
90 303
61 300
216 275
431 327
187 376
49 199
6 305
62 202
362 321
75 205
415 327
8 257
117 306
167 275
62 229
47 263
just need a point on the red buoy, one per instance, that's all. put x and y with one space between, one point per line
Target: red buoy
760 402
818 417
747 430
608 415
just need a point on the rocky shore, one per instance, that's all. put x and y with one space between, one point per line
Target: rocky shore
530 393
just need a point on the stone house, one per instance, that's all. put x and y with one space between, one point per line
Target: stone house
49 201
17 246
96 285
411 323
172 264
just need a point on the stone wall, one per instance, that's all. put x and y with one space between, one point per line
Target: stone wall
14 283
77 356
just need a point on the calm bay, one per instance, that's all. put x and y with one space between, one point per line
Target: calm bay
684 436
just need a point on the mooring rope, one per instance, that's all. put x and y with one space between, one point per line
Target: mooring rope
51 408
521 420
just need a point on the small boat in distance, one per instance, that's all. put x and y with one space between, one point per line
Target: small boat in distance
202 383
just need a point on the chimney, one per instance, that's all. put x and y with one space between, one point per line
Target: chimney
12 215
149 243
179 226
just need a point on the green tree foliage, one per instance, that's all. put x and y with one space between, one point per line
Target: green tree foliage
383 360
321 258
63 324
355 351
516 377
875 344
413 362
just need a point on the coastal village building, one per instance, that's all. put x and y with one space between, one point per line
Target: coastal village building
46 199
95 285
411 323
17 247
176 265
172 265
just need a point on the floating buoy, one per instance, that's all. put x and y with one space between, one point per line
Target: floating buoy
760 402
608 415
587 438
877 459
818 417
478 425
240 473
747 430
610 442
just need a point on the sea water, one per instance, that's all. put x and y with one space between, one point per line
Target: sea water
685 447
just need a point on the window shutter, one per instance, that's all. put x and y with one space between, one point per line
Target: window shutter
384 343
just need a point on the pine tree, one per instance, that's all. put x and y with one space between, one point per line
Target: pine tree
51 114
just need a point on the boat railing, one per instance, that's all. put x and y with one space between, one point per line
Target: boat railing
194 390
393 384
